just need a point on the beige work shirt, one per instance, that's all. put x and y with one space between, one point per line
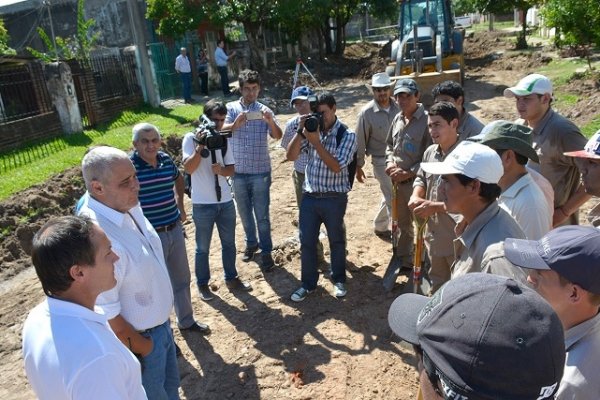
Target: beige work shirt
407 140
468 126
495 262
491 226
372 128
553 136
439 234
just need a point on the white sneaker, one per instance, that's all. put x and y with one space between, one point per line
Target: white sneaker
340 289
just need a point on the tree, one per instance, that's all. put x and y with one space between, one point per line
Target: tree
576 23
176 17
503 6
76 46
4 38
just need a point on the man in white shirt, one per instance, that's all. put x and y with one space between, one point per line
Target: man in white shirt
138 307
521 197
563 269
69 350
184 69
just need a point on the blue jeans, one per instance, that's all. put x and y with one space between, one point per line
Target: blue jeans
205 217
173 245
186 81
252 196
224 79
160 374
314 211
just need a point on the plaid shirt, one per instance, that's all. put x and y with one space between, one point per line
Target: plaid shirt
249 143
290 130
319 178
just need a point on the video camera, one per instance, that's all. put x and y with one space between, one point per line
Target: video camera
206 134
314 122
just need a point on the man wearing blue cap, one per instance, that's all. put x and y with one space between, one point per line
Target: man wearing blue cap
299 101
563 269
406 141
373 124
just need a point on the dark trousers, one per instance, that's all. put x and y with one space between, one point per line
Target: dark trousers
203 77
224 80
186 81
314 211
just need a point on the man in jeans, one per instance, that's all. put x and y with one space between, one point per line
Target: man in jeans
184 69
221 59
252 123
326 187
211 197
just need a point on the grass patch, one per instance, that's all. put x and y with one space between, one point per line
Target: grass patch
484 26
35 162
592 127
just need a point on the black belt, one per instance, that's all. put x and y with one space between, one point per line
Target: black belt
166 228
321 195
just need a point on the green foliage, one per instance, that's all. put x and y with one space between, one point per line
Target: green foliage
176 17
462 7
576 22
4 37
77 46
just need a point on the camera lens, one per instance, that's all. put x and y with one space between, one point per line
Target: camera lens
311 124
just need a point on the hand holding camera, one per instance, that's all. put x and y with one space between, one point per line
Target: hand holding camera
207 135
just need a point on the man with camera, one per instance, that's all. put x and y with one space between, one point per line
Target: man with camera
252 123
208 160
330 146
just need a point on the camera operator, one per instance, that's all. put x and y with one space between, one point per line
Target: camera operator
211 197
326 187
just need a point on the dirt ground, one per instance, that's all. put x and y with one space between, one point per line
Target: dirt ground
264 346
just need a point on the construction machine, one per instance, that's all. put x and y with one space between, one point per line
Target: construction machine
429 48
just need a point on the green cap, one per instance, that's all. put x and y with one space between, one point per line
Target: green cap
505 135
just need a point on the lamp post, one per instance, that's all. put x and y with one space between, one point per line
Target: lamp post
47 3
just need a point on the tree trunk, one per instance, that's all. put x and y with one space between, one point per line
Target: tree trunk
490 22
256 60
339 36
522 39
327 35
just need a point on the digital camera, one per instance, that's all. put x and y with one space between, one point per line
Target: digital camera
206 134
314 122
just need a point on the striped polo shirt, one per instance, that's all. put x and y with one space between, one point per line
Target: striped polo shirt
156 195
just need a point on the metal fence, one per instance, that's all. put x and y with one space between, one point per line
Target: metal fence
23 92
114 75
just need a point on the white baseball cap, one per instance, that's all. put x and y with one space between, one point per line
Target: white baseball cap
534 83
474 160
381 79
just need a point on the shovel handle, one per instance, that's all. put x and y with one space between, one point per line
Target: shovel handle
418 257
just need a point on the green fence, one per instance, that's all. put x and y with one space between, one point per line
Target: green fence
163 59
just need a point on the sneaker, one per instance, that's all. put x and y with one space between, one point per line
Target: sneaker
339 289
238 284
249 253
385 235
198 327
205 293
299 294
267 262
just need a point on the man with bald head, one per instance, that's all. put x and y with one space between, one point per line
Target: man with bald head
138 307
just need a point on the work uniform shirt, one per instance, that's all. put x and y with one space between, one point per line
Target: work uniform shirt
439 235
553 136
156 195
407 140
468 126
249 143
372 128
291 127
495 262
525 202
580 377
492 225
70 352
143 294
319 178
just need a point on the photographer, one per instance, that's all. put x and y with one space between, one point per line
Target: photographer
326 187
211 197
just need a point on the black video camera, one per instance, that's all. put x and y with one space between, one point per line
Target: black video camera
206 134
314 122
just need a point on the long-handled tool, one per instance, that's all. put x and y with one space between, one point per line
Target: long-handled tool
393 268
418 284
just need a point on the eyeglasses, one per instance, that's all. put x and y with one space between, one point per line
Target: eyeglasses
381 89
217 119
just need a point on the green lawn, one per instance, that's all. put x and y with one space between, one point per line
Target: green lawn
38 161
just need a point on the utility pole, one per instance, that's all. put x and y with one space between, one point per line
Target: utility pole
47 3
139 38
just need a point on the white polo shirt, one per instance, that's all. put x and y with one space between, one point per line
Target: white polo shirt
143 294
70 352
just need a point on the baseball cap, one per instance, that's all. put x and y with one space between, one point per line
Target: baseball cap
300 93
503 135
381 79
406 86
485 336
534 83
591 149
471 159
572 251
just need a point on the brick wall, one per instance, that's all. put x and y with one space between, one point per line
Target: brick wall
16 133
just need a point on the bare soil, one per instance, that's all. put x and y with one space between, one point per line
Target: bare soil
263 345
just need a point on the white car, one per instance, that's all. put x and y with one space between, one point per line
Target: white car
464 21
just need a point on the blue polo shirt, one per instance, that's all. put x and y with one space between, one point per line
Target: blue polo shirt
157 196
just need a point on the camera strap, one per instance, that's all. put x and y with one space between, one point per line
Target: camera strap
213 157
